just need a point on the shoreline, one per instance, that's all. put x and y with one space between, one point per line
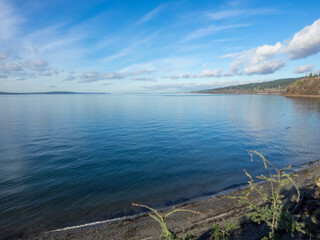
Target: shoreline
141 226
296 95
278 94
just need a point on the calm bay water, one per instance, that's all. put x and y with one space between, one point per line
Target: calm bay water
73 159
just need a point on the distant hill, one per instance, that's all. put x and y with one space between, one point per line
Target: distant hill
270 87
304 86
53 92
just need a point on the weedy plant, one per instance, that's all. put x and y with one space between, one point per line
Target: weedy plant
223 233
273 213
160 218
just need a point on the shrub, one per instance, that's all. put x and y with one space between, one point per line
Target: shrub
298 83
273 212
223 233
160 218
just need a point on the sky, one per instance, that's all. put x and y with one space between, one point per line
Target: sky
133 46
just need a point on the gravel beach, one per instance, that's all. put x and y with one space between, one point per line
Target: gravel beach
213 209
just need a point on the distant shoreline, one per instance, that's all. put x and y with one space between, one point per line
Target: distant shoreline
49 93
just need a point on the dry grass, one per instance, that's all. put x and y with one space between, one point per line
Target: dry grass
305 86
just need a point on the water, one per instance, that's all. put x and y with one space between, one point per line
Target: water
74 159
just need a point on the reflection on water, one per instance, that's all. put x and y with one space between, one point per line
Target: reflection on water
71 159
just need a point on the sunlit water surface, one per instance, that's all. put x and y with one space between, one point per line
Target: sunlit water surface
73 159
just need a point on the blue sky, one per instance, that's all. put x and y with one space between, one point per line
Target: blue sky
154 46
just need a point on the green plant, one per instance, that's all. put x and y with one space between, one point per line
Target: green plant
188 237
314 216
160 218
223 233
298 83
273 212
290 223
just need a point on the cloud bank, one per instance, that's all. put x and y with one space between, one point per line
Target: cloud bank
265 59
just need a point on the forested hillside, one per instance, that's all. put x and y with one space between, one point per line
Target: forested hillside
270 87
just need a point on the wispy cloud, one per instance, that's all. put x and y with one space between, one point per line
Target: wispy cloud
202 32
36 64
205 74
9 20
144 79
50 72
152 14
103 48
94 76
220 15
133 48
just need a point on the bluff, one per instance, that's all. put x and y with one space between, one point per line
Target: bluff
305 86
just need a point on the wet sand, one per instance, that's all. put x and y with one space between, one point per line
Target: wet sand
213 209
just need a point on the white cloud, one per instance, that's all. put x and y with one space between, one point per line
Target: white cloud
30 68
11 67
304 68
256 61
181 75
209 73
205 74
265 52
239 12
70 78
121 75
305 42
144 79
36 65
202 32
93 76
260 60
134 48
152 14
265 67
50 72
231 55
9 20
90 76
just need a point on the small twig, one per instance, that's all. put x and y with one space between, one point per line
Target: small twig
298 203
